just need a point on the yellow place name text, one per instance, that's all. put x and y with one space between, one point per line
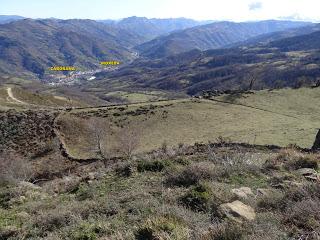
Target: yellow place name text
60 68
110 63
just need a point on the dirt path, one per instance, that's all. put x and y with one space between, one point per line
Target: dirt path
15 100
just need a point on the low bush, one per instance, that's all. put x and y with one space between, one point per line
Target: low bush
297 194
52 220
14 168
87 231
192 174
301 162
291 159
230 162
271 202
224 231
85 192
198 198
304 215
5 197
151 166
125 170
163 227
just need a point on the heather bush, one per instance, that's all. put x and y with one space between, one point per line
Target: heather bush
192 174
14 168
198 198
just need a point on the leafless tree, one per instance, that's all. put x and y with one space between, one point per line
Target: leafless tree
100 134
252 80
129 140
14 168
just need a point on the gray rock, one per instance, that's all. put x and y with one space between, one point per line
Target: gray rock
237 211
243 192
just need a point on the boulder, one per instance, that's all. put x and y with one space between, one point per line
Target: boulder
243 192
237 211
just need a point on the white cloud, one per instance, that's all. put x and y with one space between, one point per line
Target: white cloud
255 6
240 10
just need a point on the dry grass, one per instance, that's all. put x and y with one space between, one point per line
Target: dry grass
14 168
279 117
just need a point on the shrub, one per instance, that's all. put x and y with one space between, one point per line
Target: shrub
5 197
163 227
125 170
191 174
84 192
198 198
271 201
229 162
52 220
301 162
14 168
304 215
151 166
46 148
128 140
224 231
297 194
145 233
182 161
292 159
87 231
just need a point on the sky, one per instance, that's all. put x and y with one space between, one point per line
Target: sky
233 10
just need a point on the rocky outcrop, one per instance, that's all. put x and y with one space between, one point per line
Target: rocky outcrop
243 192
237 211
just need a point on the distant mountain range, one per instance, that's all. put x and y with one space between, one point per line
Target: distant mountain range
29 47
152 28
274 36
35 45
289 62
9 18
211 36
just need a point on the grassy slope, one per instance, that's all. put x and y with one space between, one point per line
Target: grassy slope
284 117
32 100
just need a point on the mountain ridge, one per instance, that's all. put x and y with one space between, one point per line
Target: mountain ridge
32 46
211 36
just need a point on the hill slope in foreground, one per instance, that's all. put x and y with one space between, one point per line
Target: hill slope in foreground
278 117
200 192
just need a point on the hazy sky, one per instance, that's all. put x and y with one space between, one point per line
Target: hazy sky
237 10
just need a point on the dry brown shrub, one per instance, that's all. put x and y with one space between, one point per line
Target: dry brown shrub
14 168
192 174
128 140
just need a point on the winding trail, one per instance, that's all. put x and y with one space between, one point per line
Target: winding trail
15 100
